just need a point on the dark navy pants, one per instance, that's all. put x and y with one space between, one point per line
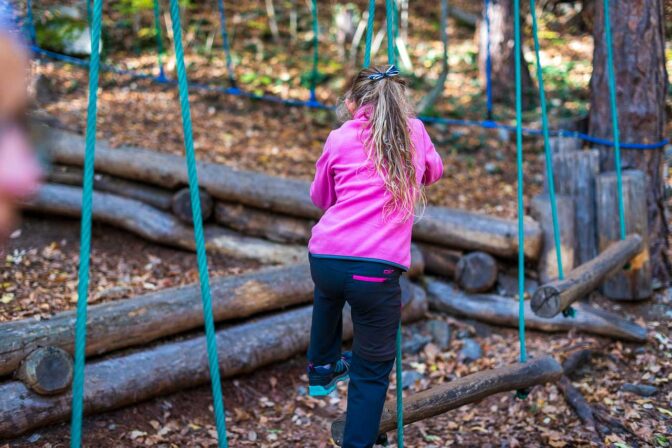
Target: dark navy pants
372 290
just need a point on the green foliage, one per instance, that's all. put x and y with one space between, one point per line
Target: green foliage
55 33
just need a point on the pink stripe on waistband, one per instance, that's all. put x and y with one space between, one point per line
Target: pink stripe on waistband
363 278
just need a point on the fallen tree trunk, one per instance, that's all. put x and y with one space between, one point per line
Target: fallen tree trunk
439 261
443 226
136 321
181 205
160 227
556 296
166 368
476 272
468 389
149 194
499 310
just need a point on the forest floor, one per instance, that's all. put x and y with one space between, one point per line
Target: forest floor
269 408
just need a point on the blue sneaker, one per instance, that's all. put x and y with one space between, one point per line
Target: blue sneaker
323 380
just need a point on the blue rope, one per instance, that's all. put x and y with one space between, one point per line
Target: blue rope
159 40
316 55
486 124
204 280
488 60
85 231
389 20
225 43
369 33
30 22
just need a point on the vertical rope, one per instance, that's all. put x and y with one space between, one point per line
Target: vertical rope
369 33
213 359
316 54
519 165
611 77
488 60
225 43
85 231
389 11
30 23
159 40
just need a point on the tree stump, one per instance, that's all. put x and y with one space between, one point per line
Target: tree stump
476 272
575 173
564 144
181 205
46 370
635 281
541 212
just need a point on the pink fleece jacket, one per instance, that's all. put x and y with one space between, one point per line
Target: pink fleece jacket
353 196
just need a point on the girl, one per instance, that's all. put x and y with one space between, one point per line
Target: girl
368 181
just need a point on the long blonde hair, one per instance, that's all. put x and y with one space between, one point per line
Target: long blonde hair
389 144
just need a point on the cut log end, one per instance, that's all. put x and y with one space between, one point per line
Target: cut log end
181 205
546 302
476 272
47 371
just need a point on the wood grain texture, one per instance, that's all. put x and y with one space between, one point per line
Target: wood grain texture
476 272
46 370
548 261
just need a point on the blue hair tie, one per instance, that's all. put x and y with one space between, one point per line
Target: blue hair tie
391 71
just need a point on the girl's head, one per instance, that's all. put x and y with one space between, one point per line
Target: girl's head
389 141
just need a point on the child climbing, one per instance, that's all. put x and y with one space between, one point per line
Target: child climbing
369 182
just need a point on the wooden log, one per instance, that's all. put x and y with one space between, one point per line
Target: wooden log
468 389
417 268
129 378
499 310
465 230
46 371
261 223
142 319
575 173
476 272
160 227
439 260
149 194
635 282
181 205
541 212
565 144
556 296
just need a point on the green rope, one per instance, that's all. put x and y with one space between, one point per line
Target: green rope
159 38
611 76
519 165
369 33
213 359
85 230
316 54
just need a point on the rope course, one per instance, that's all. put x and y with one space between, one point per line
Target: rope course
316 55
225 44
488 59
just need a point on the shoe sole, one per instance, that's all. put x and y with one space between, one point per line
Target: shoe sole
321 391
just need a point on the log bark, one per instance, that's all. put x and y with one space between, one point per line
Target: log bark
638 30
166 368
499 310
476 272
556 296
465 230
261 223
142 319
160 227
181 205
565 144
575 174
468 389
443 226
46 371
71 175
417 268
548 261
439 261
635 282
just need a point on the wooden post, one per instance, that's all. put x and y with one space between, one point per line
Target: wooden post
541 212
634 282
565 144
575 173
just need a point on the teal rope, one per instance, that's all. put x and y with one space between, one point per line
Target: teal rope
389 11
316 53
519 165
85 230
369 33
611 76
159 38
213 359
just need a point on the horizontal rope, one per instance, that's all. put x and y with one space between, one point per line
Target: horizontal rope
485 124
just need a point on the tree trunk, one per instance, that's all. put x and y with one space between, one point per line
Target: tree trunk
476 272
468 389
502 55
140 320
541 211
499 310
554 297
641 85
166 368
160 227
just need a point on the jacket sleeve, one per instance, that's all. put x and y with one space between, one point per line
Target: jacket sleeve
323 188
433 162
